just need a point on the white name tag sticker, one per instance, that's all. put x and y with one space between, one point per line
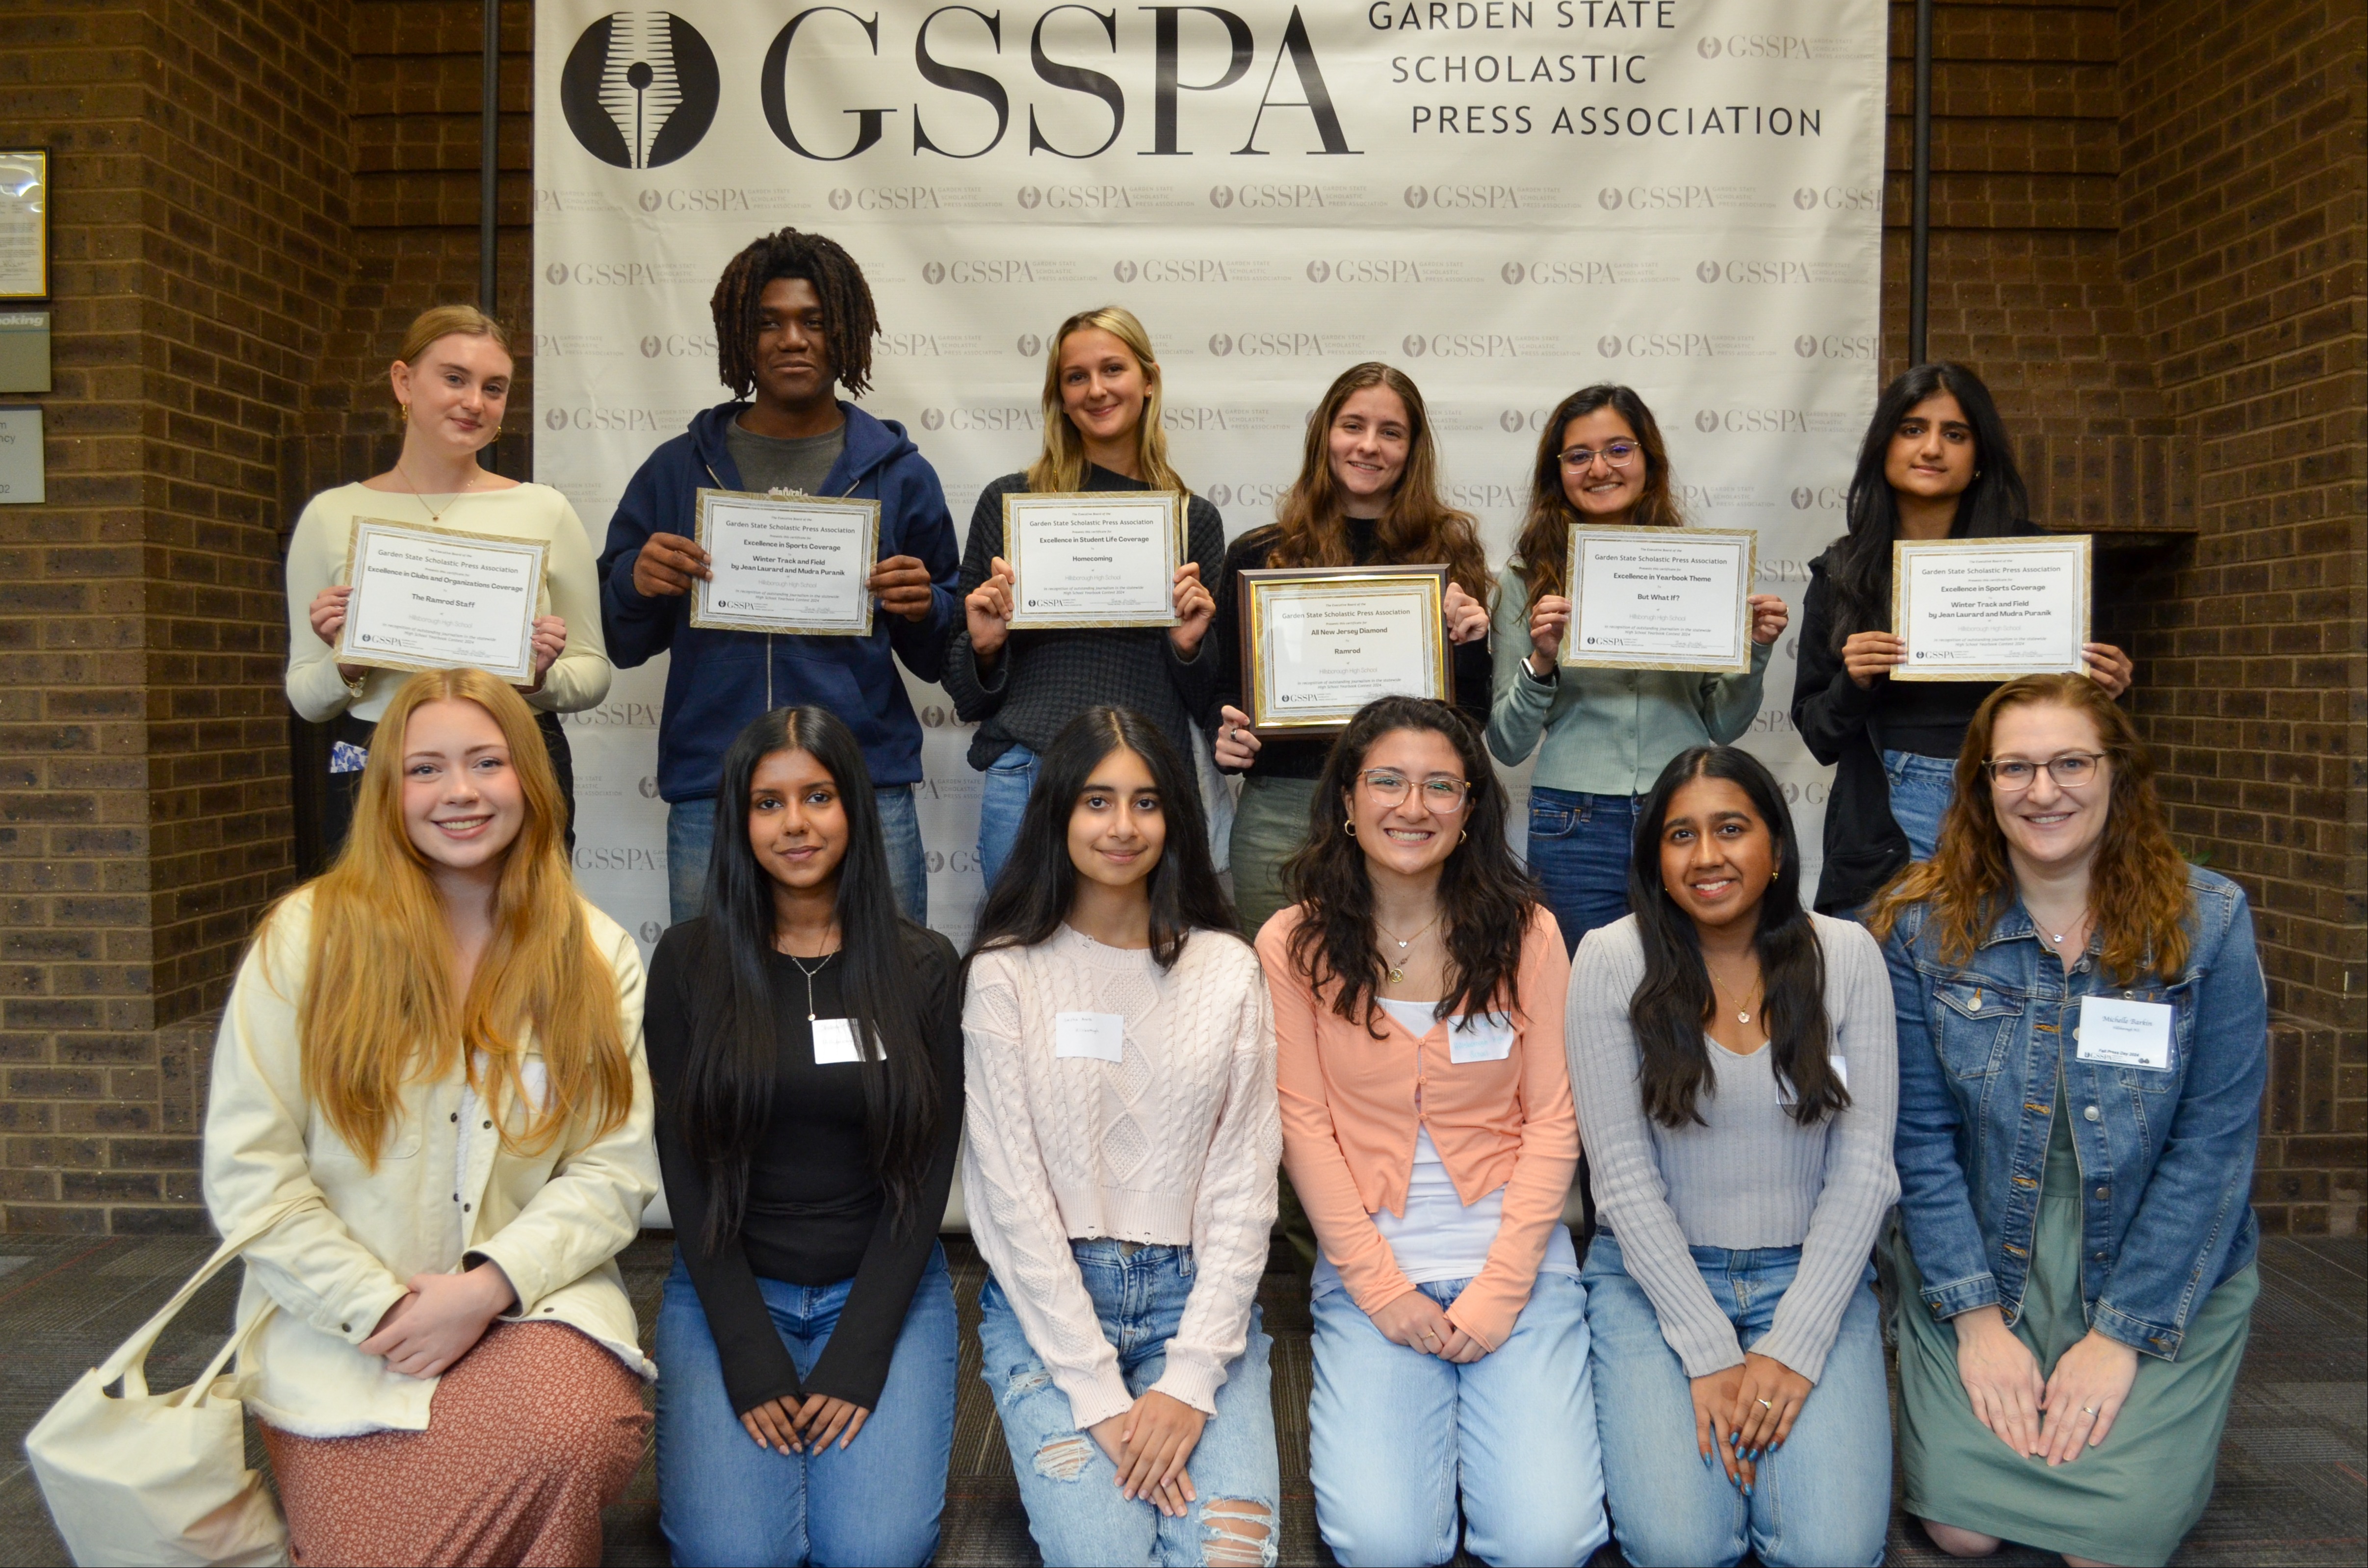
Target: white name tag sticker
2126 1034
1480 1040
834 1040
1101 1035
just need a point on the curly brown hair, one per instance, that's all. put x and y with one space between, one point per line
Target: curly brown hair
850 322
2137 884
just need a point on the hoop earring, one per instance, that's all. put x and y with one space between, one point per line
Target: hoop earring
1462 833
1349 828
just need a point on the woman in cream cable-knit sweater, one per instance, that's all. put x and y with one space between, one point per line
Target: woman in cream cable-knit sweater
1119 1168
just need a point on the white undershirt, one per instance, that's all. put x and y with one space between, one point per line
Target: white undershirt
1440 1236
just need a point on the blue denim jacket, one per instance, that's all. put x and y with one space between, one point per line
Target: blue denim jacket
2166 1157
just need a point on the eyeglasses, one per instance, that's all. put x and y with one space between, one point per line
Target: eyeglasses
1441 796
1619 454
2071 770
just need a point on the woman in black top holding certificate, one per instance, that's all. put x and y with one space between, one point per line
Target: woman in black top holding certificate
1101 432
805 1051
1936 464
1367 496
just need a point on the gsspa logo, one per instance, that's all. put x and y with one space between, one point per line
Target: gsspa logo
1414 344
1030 198
1418 197
1707 272
1608 346
1220 345
1123 271
639 88
933 273
1608 198
841 199
1030 346
1805 199
933 418
1511 272
1317 272
1706 421
1805 347
1221 195
1707 48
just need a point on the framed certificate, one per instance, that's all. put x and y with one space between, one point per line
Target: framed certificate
1660 599
798 564
1094 558
25 223
432 599
1990 608
1319 642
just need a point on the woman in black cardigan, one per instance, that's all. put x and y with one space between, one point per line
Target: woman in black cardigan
1936 464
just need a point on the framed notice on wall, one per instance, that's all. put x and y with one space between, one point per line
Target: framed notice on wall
24 223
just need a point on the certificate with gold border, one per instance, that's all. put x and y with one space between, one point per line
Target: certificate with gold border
1660 599
437 598
1093 558
1319 642
793 565
1990 608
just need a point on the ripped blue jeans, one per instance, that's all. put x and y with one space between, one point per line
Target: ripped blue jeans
1068 1484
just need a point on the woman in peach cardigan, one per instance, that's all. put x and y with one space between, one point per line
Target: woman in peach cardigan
1428 1126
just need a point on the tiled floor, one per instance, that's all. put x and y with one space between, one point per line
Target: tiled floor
2293 1487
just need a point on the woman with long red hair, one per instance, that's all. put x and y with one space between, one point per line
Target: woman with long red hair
433 1052
2083 1043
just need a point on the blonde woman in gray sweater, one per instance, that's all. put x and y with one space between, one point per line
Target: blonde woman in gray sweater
1732 1058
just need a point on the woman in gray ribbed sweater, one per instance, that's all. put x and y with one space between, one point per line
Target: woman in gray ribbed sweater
1733 1058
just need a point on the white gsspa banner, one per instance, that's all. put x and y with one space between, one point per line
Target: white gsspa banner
1507 198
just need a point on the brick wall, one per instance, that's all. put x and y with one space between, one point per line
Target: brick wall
2148 237
199 237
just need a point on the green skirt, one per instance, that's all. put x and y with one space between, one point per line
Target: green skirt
2129 1501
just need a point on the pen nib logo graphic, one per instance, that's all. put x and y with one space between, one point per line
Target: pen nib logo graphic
639 88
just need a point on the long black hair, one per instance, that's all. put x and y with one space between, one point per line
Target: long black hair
1032 898
1484 896
1995 504
728 1077
1674 1000
849 320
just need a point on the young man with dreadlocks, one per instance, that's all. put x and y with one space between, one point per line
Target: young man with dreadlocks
793 322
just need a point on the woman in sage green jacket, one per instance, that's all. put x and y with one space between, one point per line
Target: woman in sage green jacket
1602 736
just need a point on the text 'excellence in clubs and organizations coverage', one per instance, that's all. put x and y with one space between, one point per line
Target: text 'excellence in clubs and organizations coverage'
433 598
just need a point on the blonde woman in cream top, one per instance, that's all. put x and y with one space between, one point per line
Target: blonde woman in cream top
451 384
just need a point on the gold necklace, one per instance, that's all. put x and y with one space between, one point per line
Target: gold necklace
1397 971
1743 1015
434 517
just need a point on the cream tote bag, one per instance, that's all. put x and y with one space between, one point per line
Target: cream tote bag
160 1478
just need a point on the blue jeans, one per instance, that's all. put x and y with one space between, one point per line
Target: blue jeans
1922 789
691 839
1824 1497
1002 801
1579 849
722 1499
1395 1436
1068 1484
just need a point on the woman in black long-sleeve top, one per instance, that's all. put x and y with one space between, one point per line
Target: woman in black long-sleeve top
1936 464
805 1051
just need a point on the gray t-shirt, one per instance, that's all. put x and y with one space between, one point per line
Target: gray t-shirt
1753 1177
770 462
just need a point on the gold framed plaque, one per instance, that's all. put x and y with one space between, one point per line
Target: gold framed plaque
1990 608
439 598
793 565
1093 558
1660 599
1319 642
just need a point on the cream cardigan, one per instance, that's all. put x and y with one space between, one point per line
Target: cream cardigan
554 1222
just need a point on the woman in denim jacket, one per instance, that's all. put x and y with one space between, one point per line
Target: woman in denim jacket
2083 1042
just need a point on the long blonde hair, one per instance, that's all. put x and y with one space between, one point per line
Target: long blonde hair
1417 527
1061 464
2137 884
379 1008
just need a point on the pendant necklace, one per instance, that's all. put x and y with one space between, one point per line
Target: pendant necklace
809 974
1742 1014
1397 971
435 515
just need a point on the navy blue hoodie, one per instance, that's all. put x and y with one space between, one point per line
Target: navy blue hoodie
721 680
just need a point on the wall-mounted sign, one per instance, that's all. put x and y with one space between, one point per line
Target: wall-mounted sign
24 223
22 480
